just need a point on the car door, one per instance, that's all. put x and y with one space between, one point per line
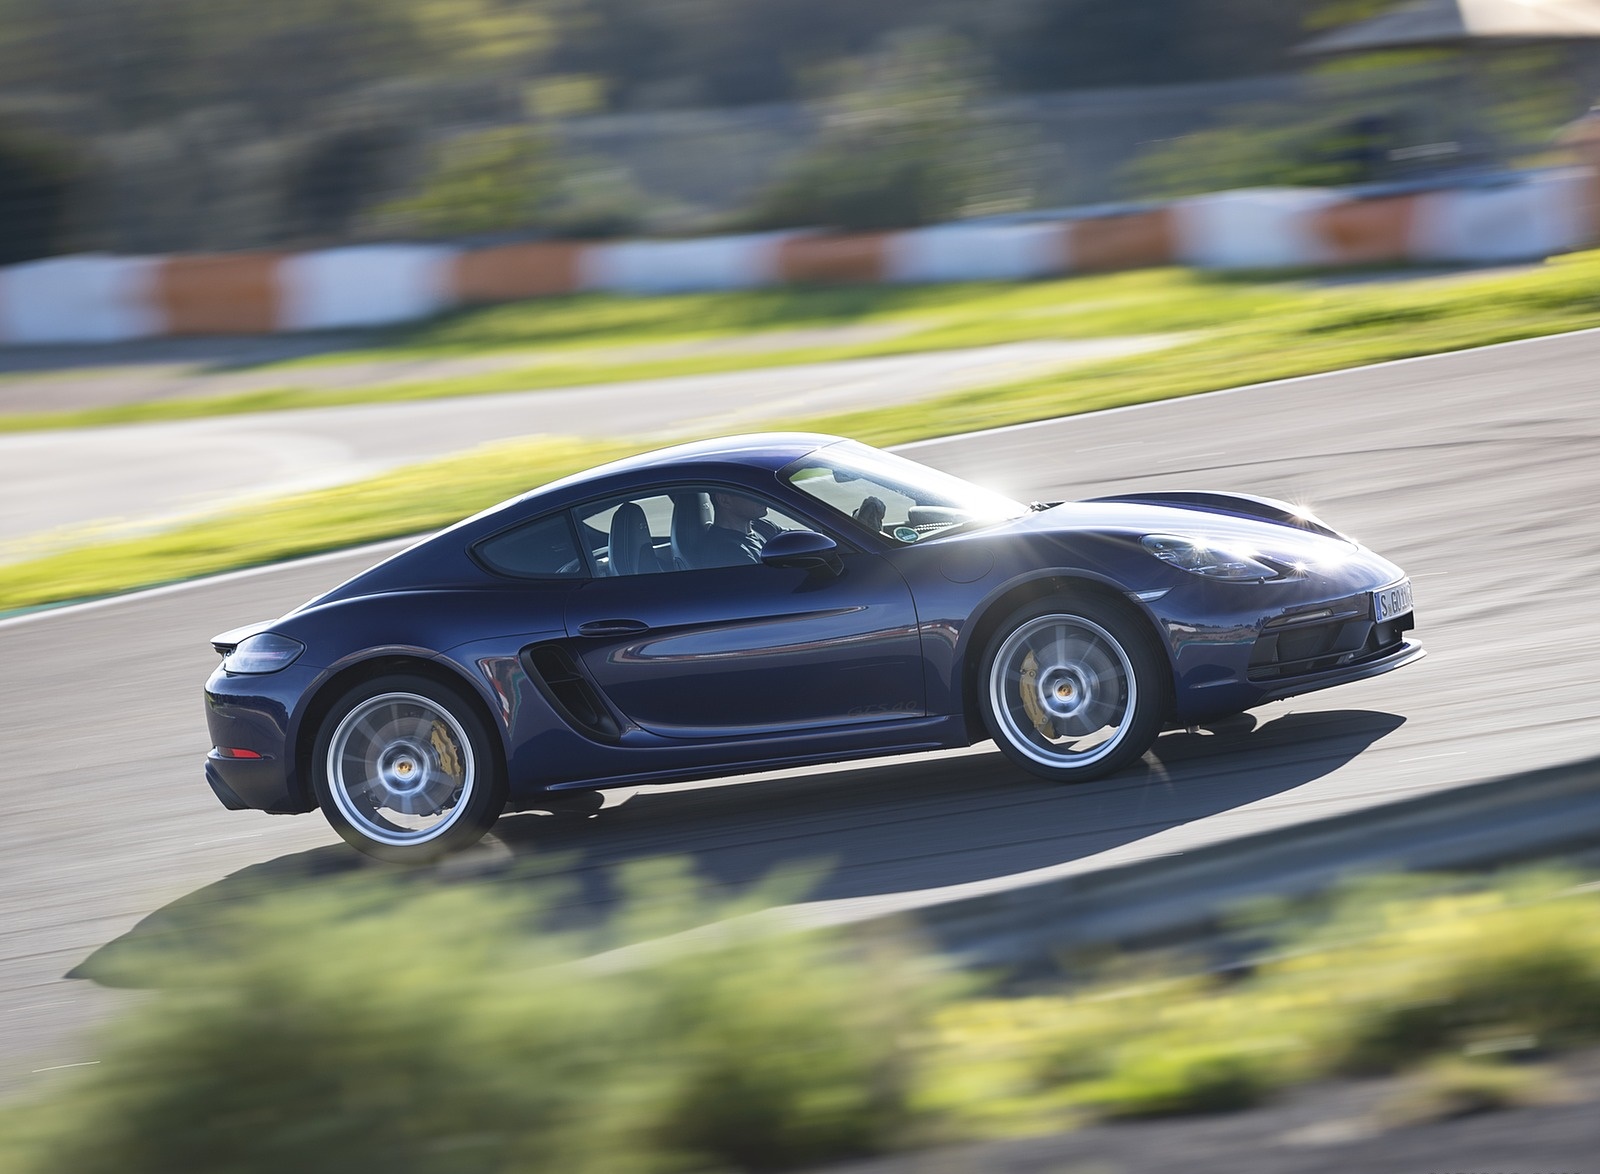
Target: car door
707 652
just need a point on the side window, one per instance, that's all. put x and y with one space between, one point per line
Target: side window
538 550
685 528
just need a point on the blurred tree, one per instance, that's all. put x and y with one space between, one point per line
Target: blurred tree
338 174
1070 44
140 60
38 182
491 181
1378 115
718 52
901 144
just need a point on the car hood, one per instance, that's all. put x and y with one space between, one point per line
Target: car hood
1270 527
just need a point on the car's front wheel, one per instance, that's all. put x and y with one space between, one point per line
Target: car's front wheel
404 770
1072 688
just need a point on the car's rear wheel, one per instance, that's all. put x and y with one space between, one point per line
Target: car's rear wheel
1072 688
404 770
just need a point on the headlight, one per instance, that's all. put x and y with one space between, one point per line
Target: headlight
265 652
1194 556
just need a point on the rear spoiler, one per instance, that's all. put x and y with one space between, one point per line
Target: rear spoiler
1239 505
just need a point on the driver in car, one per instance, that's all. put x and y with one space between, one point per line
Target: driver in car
737 532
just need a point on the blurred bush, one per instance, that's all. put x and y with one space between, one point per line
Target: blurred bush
1377 116
1453 973
410 1028
511 179
339 172
376 1027
485 182
1385 976
1256 147
41 182
901 145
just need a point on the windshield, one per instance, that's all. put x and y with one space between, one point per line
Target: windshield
892 496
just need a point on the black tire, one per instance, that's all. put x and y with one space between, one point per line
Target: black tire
1073 687
404 769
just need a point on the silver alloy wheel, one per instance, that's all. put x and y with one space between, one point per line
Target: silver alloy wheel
401 768
1064 690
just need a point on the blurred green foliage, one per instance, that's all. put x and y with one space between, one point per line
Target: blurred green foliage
1457 1086
901 145
508 180
485 182
41 188
1384 115
1485 964
376 1025
134 60
402 1024
212 125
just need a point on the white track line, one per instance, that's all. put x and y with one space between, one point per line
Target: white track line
71 609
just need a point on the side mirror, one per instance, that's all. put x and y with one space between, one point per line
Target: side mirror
802 548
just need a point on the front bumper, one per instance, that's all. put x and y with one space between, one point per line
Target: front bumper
1407 652
1236 646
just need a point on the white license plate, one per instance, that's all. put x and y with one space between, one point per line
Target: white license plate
1391 601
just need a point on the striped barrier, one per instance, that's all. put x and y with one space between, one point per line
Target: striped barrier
1259 228
228 293
687 266
823 259
1133 240
509 273
1543 214
97 298
89 298
371 285
978 252
1365 232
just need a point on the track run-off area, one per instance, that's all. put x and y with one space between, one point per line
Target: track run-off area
1478 472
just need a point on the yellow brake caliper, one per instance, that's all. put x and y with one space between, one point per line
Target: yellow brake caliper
1030 697
445 747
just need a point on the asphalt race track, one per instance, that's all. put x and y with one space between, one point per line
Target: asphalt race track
1478 472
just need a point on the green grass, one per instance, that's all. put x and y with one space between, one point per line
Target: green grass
949 315
586 339
1291 331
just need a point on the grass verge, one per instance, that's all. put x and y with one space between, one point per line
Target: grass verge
594 339
1312 331
412 1025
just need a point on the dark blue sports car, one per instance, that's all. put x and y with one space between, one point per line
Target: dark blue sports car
771 600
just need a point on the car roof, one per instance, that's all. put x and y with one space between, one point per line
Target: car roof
756 451
769 451
753 452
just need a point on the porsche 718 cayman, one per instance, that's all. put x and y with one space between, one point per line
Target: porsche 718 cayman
771 600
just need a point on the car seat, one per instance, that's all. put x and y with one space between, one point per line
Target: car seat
691 518
631 549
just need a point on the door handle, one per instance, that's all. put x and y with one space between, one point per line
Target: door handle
612 628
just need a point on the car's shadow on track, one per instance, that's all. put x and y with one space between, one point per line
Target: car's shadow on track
889 827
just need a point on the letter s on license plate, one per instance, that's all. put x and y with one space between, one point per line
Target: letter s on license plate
1389 602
